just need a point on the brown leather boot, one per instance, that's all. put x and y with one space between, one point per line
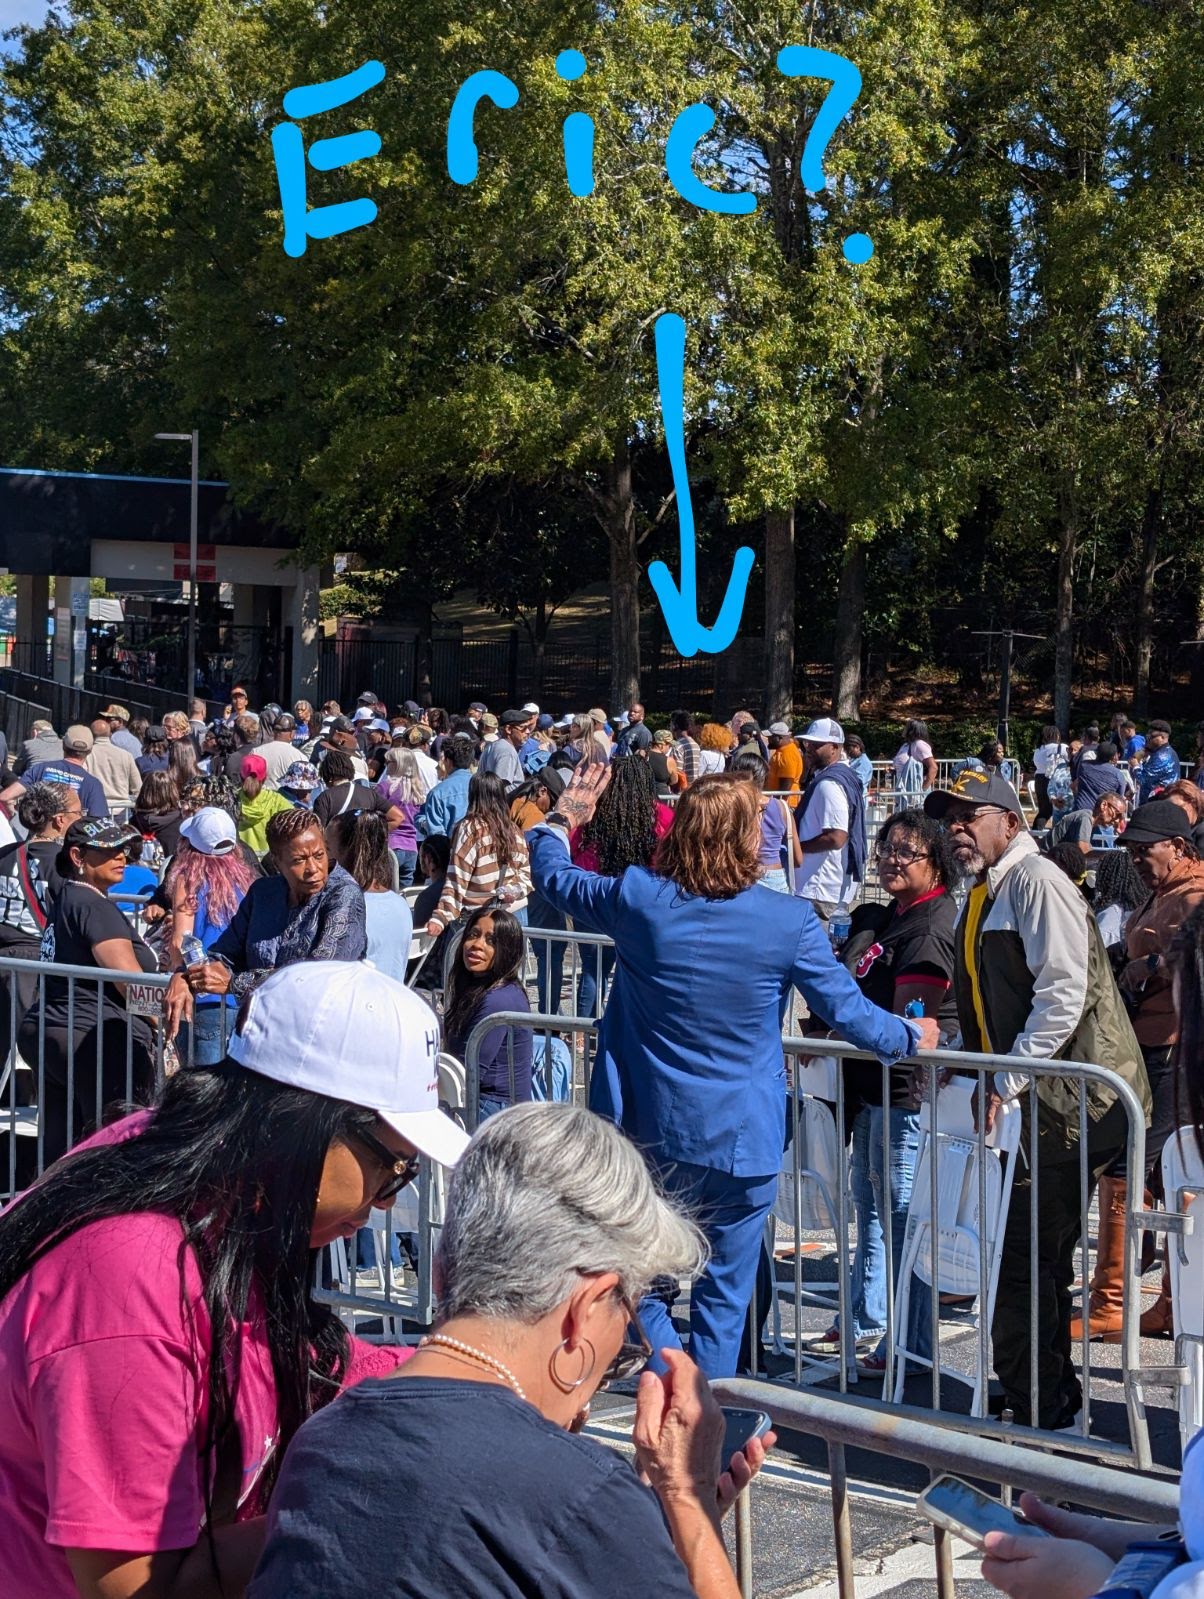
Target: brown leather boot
1107 1301
1158 1321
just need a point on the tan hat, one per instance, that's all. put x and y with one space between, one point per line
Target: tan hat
78 739
116 713
597 715
489 720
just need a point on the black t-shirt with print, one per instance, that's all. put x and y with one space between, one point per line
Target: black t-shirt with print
886 948
357 796
82 918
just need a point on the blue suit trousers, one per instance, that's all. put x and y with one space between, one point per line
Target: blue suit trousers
731 1212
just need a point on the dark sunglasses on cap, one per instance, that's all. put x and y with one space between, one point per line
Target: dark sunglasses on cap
404 1169
631 1357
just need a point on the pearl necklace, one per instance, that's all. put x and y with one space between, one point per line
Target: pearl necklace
454 1344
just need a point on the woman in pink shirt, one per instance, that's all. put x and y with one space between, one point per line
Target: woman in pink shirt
159 1346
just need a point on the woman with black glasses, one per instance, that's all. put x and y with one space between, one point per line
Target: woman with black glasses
158 1343
899 953
552 1233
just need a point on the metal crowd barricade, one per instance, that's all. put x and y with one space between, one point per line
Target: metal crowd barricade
26 1091
840 1365
983 1451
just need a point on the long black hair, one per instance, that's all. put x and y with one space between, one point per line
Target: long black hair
1187 964
465 989
236 1159
361 845
623 828
1117 882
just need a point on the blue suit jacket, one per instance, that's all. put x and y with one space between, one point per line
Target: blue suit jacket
690 1046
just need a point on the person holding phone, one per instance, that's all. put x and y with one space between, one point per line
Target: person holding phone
159 1345
553 1230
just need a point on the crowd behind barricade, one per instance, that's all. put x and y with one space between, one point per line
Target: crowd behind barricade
292 872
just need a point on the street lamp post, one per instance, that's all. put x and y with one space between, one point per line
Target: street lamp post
195 438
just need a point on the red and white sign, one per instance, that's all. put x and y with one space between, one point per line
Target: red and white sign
206 568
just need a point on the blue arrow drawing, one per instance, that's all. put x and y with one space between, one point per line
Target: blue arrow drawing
680 605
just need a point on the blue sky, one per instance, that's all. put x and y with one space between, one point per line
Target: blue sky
14 12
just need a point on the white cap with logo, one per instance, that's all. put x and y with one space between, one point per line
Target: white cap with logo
823 731
530 708
210 830
343 1029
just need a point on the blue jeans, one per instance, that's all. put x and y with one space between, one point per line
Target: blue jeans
587 983
206 1030
549 955
868 1287
731 1212
407 860
775 877
489 1105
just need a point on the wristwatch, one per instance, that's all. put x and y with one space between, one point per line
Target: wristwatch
555 819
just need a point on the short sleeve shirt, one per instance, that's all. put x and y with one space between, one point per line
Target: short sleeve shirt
103 1349
363 797
886 949
917 750
499 1504
83 918
822 874
91 794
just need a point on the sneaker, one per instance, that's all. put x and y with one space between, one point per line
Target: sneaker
829 1343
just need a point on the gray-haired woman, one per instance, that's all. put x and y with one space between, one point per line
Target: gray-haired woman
553 1231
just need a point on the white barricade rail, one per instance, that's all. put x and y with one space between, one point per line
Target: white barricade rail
983 1451
984 1172
1183 1185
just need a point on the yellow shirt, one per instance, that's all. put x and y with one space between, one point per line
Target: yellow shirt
976 904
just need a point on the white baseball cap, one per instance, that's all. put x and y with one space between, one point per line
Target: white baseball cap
344 1029
366 713
824 731
778 730
530 708
211 830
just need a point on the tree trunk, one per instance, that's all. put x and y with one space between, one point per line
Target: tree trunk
1068 538
846 650
1151 528
619 521
779 615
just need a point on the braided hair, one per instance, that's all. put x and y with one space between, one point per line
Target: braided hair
623 828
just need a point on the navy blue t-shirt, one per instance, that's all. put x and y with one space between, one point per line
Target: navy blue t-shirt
91 794
1095 779
418 1487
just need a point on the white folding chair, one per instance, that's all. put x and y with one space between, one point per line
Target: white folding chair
1183 1184
817 1151
453 1085
944 1251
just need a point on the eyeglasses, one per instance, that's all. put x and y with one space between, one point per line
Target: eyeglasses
631 1357
404 1169
902 854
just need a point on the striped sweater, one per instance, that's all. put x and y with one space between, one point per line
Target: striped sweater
473 876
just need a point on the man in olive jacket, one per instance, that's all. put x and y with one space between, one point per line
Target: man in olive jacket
1032 979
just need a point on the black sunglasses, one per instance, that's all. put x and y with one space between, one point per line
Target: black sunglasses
404 1169
631 1357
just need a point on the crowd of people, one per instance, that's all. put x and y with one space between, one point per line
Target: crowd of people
288 859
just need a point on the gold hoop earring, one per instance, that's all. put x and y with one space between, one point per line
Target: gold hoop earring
586 1373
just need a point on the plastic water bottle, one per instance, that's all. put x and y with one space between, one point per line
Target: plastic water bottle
192 951
839 926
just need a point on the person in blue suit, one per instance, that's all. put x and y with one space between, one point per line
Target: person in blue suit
690 1060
